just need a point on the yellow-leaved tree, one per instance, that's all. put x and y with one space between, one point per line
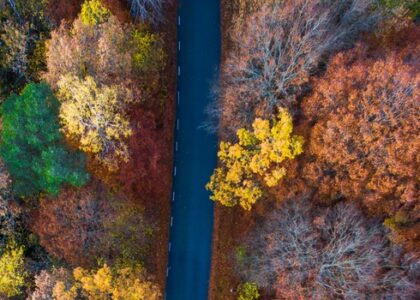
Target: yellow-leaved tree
129 283
255 161
93 12
94 117
12 271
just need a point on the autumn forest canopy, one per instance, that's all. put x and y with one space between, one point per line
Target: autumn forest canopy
317 110
316 188
72 73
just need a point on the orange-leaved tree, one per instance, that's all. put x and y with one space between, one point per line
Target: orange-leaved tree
364 143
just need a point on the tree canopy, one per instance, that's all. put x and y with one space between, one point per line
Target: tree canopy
256 159
32 145
304 252
12 271
129 283
95 117
279 46
24 27
94 12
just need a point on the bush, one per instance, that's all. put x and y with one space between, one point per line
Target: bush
32 146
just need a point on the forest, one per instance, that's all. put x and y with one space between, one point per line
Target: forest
86 115
317 188
315 106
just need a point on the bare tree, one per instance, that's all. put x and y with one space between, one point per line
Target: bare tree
148 10
46 280
328 254
282 44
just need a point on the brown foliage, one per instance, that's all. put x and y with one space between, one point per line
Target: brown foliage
279 48
70 226
60 10
68 10
364 144
9 211
151 164
85 225
306 253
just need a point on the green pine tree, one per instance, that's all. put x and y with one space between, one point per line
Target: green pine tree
32 145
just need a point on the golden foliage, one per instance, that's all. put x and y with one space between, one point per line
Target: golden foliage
94 12
94 116
255 159
106 283
12 271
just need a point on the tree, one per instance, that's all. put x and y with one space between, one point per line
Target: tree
46 280
106 283
15 56
70 226
32 146
94 12
81 226
128 234
277 50
248 291
101 51
149 55
256 158
301 252
111 53
412 6
23 31
364 143
12 271
9 214
95 117
148 10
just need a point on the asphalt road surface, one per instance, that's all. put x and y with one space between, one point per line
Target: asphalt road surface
195 157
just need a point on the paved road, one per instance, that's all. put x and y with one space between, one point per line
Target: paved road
195 157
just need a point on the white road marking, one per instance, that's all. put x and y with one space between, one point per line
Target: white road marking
179 71
173 196
167 272
178 97
179 45
179 20
177 124
175 171
176 147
